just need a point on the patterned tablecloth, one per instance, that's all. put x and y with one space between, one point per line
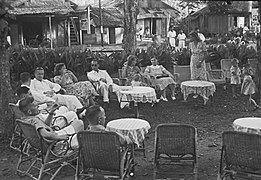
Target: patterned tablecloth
134 128
138 94
202 88
248 124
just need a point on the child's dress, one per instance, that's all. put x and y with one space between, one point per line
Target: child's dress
235 75
248 86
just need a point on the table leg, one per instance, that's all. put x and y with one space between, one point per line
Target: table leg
136 106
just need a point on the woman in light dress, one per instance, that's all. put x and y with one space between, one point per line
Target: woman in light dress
248 87
160 79
83 90
197 62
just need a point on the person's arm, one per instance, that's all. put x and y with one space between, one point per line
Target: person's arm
165 71
108 79
49 118
54 86
74 78
51 135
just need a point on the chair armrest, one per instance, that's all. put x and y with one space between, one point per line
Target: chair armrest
123 81
116 81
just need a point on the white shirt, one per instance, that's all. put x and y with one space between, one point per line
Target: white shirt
181 36
43 86
171 34
97 76
38 97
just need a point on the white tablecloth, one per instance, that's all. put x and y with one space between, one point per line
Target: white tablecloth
202 88
138 94
248 124
134 128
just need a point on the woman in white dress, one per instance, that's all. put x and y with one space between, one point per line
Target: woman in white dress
160 78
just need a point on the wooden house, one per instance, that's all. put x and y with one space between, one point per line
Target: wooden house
90 26
209 23
42 19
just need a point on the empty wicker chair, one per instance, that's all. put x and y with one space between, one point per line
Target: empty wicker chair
253 64
217 76
46 158
101 154
225 66
240 156
175 151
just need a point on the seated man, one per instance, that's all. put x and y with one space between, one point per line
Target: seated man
96 118
32 116
23 92
49 89
102 81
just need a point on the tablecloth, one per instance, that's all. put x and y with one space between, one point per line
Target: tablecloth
202 88
248 124
134 128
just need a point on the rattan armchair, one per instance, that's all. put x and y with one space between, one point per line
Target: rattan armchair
102 155
240 156
217 76
175 151
44 157
15 139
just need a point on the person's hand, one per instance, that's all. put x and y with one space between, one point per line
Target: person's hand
63 137
125 64
49 93
103 80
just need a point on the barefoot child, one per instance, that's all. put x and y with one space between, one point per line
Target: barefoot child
248 86
235 77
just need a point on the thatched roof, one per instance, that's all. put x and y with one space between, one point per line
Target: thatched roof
111 17
26 7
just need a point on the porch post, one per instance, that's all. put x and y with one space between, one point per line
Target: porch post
89 20
69 33
50 29
22 33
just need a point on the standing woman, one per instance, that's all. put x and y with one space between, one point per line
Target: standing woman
83 90
198 52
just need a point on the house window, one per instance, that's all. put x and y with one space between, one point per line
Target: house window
92 29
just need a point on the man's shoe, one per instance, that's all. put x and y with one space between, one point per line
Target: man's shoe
173 98
164 99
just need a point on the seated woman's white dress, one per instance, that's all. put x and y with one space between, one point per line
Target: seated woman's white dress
160 80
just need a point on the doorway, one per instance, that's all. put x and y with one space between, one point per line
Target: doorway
112 37
31 30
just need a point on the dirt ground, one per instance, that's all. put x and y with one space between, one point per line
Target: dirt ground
210 121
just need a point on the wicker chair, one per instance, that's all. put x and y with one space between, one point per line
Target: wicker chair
253 64
217 76
225 66
240 156
46 158
175 151
101 155
15 139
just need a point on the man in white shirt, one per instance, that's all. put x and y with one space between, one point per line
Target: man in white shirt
200 35
172 37
182 39
102 81
49 89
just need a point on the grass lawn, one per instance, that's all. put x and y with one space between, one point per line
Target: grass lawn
210 121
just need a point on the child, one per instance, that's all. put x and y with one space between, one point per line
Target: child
235 76
137 81
248 86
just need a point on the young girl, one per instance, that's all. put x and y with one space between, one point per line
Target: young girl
235 76
248 86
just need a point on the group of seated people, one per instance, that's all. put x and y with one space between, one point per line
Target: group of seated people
41 100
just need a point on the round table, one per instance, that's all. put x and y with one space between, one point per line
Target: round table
134 128
248 124
202 88
138 94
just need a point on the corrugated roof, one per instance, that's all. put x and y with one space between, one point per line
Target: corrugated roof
24 7
111 17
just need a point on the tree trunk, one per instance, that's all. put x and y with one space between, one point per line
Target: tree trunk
259 59
5 86
130 19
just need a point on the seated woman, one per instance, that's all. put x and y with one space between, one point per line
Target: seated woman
83 90
160 78
131 71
